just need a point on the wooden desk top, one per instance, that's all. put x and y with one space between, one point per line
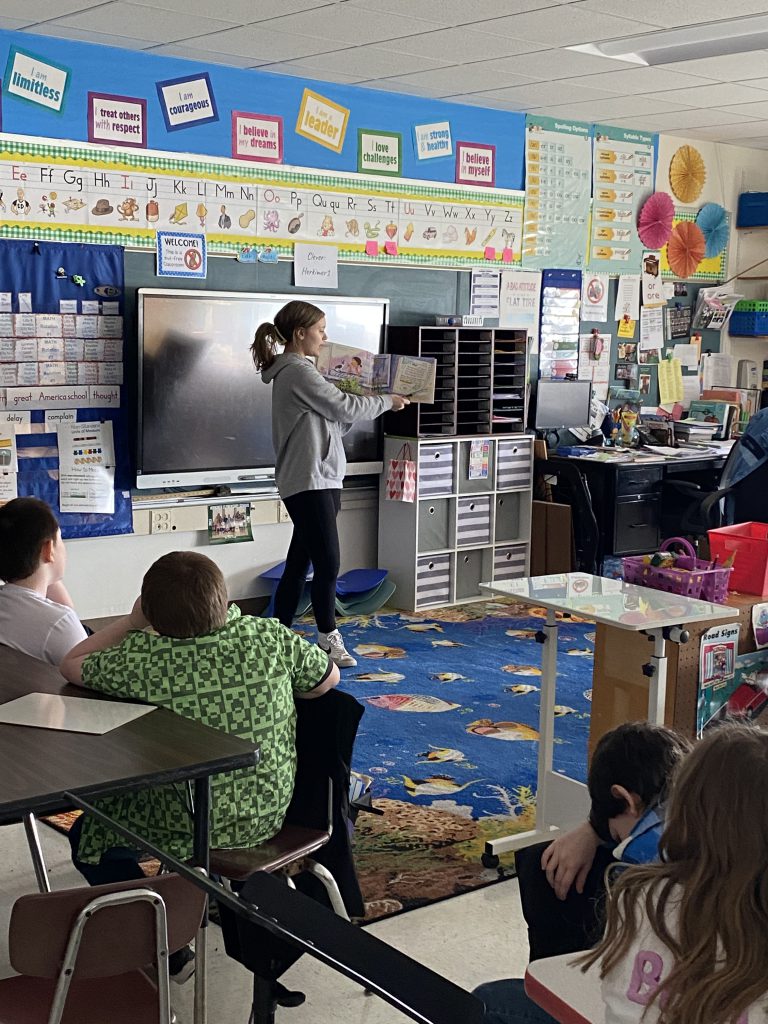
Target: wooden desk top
38 765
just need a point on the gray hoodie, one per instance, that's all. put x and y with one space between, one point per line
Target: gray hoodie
309 418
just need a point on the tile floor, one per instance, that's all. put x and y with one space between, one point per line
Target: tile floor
469 939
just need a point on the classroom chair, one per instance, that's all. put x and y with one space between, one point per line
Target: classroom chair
81 954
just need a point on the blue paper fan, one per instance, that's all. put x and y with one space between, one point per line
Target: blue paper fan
713 223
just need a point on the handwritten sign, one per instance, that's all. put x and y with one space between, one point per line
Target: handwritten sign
316 266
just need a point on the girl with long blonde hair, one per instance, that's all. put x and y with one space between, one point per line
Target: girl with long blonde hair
686 939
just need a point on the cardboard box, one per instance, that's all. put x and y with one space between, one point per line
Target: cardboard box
551 547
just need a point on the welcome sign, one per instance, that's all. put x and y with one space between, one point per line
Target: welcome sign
33 79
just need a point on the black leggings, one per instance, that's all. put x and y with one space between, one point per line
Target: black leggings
315 539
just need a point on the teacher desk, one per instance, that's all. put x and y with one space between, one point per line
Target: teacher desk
626 492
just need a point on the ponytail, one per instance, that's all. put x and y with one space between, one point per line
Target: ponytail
293 316
264 347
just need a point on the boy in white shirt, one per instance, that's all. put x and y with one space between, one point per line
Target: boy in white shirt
36 613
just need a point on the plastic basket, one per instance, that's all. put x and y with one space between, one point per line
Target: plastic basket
748 543
689 577
749 322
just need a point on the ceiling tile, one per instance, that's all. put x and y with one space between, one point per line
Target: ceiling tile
50 28
721 95
756 110
239 12
146 23
729 130
758 83
296 70
392 85
461 77
345 24
549 65
543 94
565 26
366 62
31 11
732 67
262 44
455 12
674 120
460 45
617 106
229 60
757 143
11 24
650 80
670 13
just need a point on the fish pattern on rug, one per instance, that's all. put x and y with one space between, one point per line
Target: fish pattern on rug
441 689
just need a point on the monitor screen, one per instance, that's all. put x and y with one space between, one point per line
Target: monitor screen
562 403
205 416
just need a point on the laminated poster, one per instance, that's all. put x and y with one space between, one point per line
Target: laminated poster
742 696
622 180
594 298
717 655
760 624
229 524
558 166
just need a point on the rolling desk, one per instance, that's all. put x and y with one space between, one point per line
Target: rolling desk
626 493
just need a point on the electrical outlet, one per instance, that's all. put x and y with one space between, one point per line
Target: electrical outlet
161 520
283 516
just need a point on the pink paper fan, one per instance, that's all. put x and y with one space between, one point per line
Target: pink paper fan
654 225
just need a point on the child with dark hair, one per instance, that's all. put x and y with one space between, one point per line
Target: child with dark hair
36 613
182 648
686 940
562 884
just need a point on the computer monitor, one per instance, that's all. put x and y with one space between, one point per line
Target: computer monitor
562 403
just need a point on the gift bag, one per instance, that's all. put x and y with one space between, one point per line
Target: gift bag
400 483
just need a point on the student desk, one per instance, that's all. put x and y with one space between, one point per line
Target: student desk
626 492
568 995
562 802
39 766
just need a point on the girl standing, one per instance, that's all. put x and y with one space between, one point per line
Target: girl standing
687 938
309 418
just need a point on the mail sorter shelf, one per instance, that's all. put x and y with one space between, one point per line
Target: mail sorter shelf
481 381
470 522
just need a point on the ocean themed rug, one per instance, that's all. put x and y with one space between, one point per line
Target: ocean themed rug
450 739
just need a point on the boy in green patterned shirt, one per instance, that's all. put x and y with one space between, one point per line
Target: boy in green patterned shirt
232 672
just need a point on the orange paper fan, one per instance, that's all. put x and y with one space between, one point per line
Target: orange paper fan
687 174
685 249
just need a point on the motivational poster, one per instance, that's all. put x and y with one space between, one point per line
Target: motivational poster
379 152
432 140
257 137
186 102
322 121
36 80
475 164
117 120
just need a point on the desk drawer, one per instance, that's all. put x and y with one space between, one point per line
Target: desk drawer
636 526
640 480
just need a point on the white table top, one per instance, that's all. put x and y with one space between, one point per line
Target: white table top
564 991
613 602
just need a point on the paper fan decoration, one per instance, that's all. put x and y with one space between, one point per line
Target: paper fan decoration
713 221
685 249
687 174
654 225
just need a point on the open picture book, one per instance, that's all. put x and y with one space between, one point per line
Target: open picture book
366 373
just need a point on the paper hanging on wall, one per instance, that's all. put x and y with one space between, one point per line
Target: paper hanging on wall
626 328
670 381
8 460
594 298
519 299
653 292
315 266
760 624
86 467
484 293
651 328
628 297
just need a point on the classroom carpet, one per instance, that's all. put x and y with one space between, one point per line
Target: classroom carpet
450 740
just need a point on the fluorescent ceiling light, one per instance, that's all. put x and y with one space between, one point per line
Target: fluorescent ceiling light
712 39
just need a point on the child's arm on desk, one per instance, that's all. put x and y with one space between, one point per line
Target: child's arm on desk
72 665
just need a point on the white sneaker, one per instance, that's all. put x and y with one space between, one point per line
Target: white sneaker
333 645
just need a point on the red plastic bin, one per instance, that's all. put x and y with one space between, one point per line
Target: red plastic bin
748 542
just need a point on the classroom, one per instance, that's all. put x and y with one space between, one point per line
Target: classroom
377 381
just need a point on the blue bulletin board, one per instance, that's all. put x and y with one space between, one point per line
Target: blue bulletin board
45 275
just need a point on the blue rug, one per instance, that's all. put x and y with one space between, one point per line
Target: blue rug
450 738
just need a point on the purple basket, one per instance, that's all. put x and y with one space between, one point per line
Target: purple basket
690 576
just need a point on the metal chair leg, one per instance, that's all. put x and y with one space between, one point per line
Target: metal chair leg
264 1005
329 883
36 852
